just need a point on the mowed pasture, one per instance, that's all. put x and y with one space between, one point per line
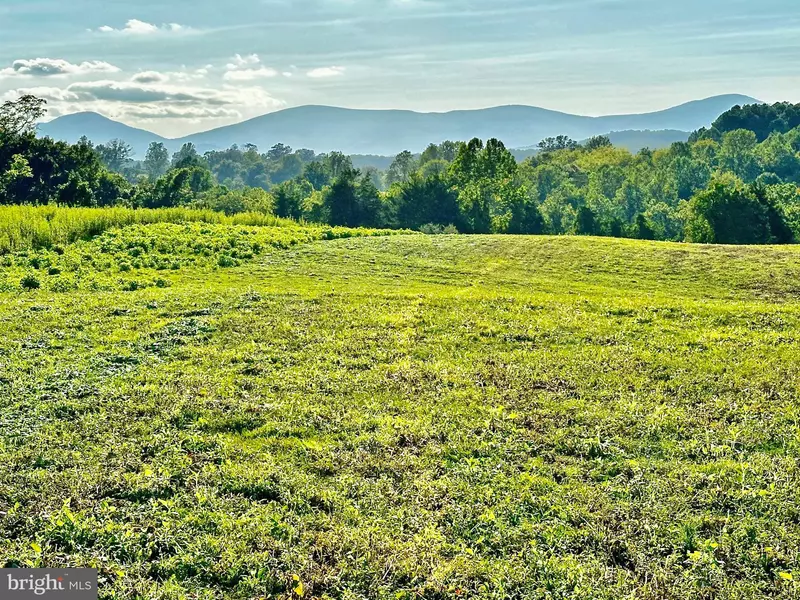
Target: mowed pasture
403 417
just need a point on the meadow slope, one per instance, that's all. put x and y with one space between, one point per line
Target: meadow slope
405 417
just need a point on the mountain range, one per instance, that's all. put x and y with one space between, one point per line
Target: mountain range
387 132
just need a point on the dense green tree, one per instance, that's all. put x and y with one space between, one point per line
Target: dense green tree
642 229
776 155
187 157
156 161
598 141
554 144
370 207
729 212
737 154
401 168
761 119
287 167
18 170
475 200
586 222
278 151
424 200
525 218
341 200
289 197
336 164
19 117
465 166
495 162
115 155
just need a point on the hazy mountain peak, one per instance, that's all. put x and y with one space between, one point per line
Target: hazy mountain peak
387 132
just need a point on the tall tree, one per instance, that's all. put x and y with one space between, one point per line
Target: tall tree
341 200
115 155
19 117
156 161
554 144
401 168
186 157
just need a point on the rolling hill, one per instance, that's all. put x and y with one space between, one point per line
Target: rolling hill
396 417
387 132
100 130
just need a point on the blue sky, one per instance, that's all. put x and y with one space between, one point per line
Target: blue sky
179 67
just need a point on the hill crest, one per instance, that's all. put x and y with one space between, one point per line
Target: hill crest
387 132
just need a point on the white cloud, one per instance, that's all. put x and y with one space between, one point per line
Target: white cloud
184 75
150 77
55 67
324 72
247 68
137 27
239 61
250 74
154 100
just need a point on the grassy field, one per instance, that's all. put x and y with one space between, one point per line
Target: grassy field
26 227
402 417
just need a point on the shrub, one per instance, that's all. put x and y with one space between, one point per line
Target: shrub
30 282
431 229
226 261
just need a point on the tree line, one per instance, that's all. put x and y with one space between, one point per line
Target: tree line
735 182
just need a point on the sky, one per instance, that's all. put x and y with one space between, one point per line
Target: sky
181 67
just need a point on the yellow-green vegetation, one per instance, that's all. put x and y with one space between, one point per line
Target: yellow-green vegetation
406 417
25 227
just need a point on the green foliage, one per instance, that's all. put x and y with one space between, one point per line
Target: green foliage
565 188
32 227
352 201
426 200
116 155
761 119
289 198
156 161
147 251
643 230
586 222
30 282
19 117
598 141
730 212
233 202
554 144
39 171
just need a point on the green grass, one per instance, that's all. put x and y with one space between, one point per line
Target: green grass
33 227
408 417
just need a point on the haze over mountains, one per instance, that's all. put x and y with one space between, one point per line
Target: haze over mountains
387 132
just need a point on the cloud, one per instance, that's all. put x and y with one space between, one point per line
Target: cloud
137 27
247 68
150 77
238 61
324 72
250 74
154 99
184 75
130 91
55 67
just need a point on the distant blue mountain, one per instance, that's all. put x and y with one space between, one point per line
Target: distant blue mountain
99 130
387 132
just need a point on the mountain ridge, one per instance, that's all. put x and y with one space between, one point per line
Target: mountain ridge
386 132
